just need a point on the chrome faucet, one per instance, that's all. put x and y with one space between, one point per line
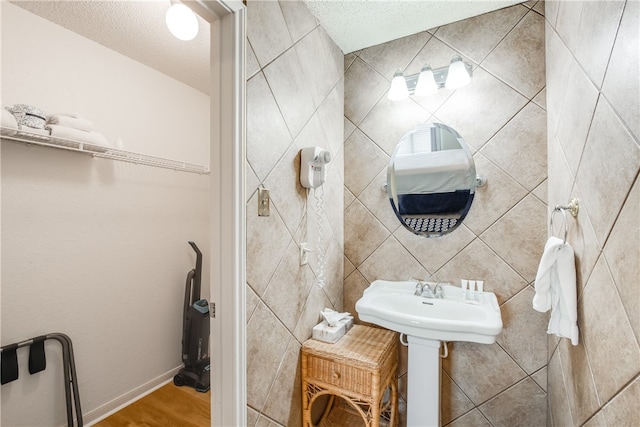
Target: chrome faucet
424 289
427 292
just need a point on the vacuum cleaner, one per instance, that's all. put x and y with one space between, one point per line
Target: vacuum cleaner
195 333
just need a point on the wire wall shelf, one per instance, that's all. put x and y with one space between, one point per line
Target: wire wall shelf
99 151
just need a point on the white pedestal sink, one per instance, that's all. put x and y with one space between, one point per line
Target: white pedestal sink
427 322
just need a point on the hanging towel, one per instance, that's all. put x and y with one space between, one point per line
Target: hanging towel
37 358
70 122
9 364
556 289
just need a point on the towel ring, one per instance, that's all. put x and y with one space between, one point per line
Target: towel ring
573 207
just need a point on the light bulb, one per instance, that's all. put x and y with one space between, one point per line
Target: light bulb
457 75
398 89
426 82
182 22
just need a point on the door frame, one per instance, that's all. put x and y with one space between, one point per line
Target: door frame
228 209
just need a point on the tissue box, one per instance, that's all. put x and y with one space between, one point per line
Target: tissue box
331 334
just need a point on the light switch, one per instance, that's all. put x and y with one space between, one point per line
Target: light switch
263 202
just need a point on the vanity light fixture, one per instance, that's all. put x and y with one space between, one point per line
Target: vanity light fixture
428 81
182 22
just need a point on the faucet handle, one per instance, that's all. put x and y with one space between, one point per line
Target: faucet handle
419 288
438 291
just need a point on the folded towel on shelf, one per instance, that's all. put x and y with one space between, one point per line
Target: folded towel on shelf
556 289
69 121
93 137
33 131
9 123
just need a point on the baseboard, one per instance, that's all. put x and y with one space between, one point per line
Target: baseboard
127 399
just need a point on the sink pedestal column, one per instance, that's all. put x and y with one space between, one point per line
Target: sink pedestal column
423 383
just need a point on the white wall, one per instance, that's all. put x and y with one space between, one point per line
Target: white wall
95 248
48 66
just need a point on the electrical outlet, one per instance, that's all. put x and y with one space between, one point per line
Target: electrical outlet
304 253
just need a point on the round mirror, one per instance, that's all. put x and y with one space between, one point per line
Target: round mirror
431 180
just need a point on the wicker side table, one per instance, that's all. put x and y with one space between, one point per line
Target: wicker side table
359 368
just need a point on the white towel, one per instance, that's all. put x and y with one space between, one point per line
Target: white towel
9 123
70 121
92 137
556 289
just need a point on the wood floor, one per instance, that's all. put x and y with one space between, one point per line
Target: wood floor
167 406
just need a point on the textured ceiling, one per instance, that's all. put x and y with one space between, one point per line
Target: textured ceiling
357 24
136 28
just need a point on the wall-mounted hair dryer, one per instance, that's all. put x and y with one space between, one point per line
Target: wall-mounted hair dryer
312 166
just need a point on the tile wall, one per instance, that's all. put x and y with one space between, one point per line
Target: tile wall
295 98
593 75
502 116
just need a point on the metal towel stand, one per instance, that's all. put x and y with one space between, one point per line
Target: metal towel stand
69 368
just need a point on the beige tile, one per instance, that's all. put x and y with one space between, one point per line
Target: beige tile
559 174
376 200
348 197
252 416
577 107
252 66
348 267
598 27
453 402
266 422
267 240
316 302
541 192
363 233
437 55
519 236
495 198
540 378
478 261
333 287
473 418
266 30
621 83
267 341
551 10
284 403
267 133
520 148
481 370
622 253
477 36
251 182
285 191
539 7
519 58
348 128
523 335
363 88
251 302
598 420
478 110
299 19
541 99
523 404
624 410
289 288
391 261
581 390
389 121
568 22
558 64
433 253
605 326
559 410
387 58
348 60
331 117
365 161
322 63
289 86
354 286
312 135
603 192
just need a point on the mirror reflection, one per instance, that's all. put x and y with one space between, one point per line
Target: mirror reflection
431 180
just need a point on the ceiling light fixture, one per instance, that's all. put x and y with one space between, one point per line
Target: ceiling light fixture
182 22
428 81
